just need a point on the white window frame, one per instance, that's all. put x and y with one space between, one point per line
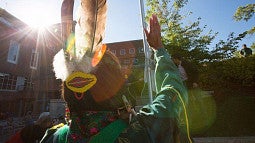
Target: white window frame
132 51
122 51
13 53
34 59
14 83
8 82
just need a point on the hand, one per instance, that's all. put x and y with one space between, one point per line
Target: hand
154 33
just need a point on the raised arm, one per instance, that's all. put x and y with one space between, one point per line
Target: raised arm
171 93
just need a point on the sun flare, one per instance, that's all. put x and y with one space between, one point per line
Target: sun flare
38 20
38 16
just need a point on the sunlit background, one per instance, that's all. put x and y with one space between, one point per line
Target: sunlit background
124 24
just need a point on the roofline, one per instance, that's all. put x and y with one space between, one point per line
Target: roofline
125 41
10 20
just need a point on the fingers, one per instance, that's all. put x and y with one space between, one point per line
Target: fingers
155 20
154 33
156 23
151 24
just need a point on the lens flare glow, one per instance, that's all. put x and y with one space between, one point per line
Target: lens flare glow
201 111
37 14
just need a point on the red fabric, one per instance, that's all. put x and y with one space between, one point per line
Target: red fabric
16 138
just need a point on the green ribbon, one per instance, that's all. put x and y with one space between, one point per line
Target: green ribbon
110 133
107 135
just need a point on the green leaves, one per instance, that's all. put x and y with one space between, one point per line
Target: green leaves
227 73
190 40
244 12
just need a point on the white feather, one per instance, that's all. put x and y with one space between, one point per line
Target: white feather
63 68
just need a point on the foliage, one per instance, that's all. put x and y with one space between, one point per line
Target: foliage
253 46
226 49
189 40
228 73
246 13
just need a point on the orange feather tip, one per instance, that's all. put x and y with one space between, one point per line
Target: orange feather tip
99 53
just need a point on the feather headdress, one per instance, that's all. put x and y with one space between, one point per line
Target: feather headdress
84 49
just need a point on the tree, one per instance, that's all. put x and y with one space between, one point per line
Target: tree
190 40
227 49
246 13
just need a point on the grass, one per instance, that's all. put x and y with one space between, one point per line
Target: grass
235 116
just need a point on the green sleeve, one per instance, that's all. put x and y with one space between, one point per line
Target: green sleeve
56 134
171 93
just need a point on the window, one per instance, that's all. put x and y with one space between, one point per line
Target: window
122 52
14 83
7 82
135 61
20 83
34 59
132 51
28 85
13 53
141 50
7 23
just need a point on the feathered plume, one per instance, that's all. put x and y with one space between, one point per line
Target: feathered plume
90 27
89 32
66 19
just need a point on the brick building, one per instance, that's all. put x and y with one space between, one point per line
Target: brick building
25 64
130 54
16 67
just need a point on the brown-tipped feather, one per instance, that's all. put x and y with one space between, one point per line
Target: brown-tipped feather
67 19
90 27
89 32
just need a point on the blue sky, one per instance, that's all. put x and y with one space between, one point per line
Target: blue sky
218 16
124 23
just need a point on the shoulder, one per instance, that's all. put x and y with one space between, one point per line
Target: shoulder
55 133
58 129
247 49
